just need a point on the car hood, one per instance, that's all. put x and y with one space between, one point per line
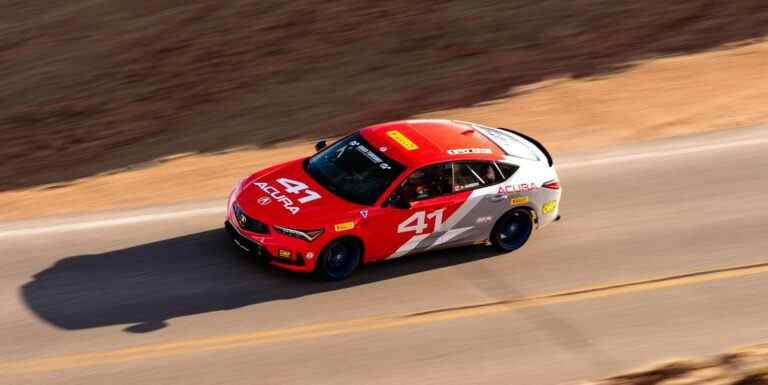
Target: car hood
285 195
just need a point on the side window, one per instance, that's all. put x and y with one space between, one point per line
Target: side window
475 174
428 182
506 169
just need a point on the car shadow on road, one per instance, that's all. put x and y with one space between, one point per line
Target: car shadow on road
146 285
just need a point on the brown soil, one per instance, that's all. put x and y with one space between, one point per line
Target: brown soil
747 366
656 98
95 86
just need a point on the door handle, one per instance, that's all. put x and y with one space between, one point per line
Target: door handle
497 198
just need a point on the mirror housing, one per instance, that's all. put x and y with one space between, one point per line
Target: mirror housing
320 145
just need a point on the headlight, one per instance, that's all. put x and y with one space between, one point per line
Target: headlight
307 235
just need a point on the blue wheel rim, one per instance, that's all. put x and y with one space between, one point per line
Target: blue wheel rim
515 230
341 260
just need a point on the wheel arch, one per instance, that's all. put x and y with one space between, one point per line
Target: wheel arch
351 237
530 210
517 209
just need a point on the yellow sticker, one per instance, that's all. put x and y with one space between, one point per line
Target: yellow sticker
402 140
549 207
344 226
520 200
283 253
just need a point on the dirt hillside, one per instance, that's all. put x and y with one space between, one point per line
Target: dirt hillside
93 86
653 99
745 366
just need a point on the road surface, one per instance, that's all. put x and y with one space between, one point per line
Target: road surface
661 253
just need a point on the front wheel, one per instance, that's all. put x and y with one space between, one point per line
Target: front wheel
512 231
339 259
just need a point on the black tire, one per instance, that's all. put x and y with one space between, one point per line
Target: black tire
339 259
512 230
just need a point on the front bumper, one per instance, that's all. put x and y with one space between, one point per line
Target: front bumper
279 250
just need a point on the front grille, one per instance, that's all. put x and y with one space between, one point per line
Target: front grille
243 242
248 223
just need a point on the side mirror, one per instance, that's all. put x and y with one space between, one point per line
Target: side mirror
320 145
398 201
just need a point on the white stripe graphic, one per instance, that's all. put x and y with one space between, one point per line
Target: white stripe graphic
450 234
408 246
472 201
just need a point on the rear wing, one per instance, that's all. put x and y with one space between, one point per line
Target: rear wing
534 142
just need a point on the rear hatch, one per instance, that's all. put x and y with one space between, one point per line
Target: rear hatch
516 144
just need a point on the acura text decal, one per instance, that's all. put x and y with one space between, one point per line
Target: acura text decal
292 187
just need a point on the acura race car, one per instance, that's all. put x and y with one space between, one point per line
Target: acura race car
395 189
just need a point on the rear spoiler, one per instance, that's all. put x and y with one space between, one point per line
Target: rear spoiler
535 143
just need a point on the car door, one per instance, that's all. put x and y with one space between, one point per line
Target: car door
476 182
414 217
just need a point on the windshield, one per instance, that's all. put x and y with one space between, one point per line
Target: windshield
351 169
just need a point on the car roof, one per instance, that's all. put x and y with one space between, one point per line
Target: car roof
421 141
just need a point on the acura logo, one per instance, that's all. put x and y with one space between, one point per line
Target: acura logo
264 200
242 219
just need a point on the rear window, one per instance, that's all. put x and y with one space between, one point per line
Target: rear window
506 169
509 143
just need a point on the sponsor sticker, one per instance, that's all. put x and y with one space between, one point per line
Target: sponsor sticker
368 154
520 200
519 188
460 187
344 226
463 151
549 207
283 253
403 140
484 219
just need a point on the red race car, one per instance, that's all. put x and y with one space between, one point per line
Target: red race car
394 189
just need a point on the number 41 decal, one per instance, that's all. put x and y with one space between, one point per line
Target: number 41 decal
418 221
295 187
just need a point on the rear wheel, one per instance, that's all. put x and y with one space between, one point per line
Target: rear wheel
512 231
339 259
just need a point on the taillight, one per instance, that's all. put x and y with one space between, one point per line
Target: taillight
553 185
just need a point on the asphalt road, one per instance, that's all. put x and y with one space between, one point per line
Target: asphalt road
661 253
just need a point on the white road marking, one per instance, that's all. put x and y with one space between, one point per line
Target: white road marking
221 209
113 222
661 154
